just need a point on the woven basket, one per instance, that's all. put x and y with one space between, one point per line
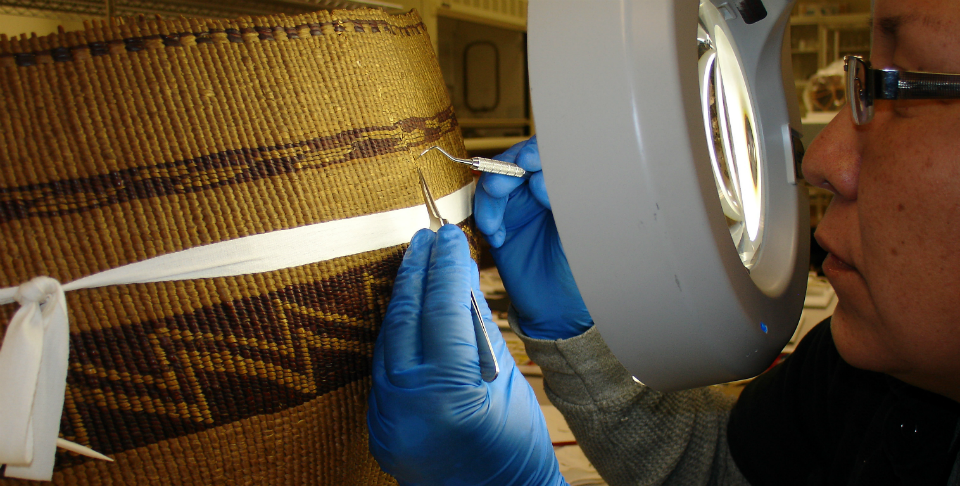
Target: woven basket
142 138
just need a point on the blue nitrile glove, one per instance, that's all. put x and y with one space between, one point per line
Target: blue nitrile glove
432 420
514 215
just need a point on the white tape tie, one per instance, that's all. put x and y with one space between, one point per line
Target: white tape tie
33 378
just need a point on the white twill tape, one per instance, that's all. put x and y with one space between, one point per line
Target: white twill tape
33 359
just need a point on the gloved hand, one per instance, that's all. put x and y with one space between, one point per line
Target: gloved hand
514 215
432 420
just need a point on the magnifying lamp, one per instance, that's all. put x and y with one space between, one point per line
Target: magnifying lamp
670 148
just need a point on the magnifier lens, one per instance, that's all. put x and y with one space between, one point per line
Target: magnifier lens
731 140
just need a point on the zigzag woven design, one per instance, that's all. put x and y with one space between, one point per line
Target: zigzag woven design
189 372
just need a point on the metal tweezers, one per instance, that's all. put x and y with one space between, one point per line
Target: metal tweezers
489 368
484 164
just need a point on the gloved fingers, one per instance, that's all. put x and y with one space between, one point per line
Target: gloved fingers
499 185
381 440
528 158
526 155
402 345
493 331
488 215
538 187
449 343
379 412
374 420
378 374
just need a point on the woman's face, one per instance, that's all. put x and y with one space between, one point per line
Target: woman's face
893 228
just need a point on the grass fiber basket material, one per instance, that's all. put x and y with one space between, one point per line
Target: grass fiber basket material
138 138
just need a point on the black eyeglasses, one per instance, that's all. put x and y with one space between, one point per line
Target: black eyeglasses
864 85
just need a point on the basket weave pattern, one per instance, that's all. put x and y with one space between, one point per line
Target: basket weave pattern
135 139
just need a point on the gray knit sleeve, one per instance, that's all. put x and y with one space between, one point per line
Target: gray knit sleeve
631 433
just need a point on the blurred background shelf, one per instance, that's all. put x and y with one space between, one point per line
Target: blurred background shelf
816 41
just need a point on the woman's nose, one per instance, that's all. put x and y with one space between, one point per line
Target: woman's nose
832 161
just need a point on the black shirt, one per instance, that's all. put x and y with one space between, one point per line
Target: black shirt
814 419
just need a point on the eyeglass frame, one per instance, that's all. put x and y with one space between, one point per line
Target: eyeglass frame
892 84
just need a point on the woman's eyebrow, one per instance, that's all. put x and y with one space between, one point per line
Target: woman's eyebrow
889 27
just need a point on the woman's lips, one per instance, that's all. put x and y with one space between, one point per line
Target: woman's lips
835 265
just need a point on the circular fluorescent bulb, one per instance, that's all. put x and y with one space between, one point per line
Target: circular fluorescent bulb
670 169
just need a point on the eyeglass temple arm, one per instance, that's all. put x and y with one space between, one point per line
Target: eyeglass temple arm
908 85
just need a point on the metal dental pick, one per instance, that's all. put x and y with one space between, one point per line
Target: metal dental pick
483 164
489 368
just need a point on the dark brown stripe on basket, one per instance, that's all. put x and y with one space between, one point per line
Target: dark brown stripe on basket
248 164
137 384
